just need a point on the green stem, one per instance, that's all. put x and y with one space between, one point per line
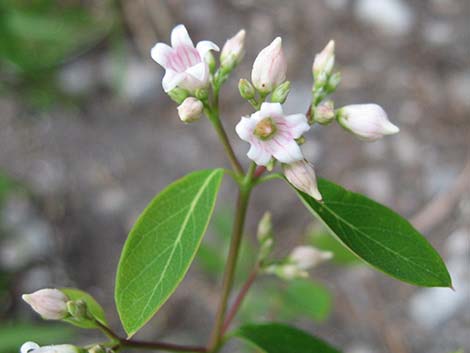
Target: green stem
240 215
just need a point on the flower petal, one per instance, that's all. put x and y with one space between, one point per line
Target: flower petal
204 46
258 154
298 124
199 71
160 53
284 150
271 109
180 36
172 79
245 128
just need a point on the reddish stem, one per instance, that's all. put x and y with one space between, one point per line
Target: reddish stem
239 299
259 171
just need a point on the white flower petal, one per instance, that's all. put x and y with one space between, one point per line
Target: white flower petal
199 71
172 79
285 151
205 46
160 53
180 36
271 109
298 124
245 128
259 155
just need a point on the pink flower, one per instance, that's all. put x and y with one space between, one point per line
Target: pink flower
269 68
272 134
184 64
302 175
51 304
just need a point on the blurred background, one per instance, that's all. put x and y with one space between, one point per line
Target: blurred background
87 138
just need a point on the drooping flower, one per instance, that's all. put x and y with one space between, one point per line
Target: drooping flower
272 134
367 121
302 175
51 304
32 347
184 63
233 50
270 67
190 110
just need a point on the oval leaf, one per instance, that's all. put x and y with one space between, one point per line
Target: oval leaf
162 245
280 338
378 236
94 308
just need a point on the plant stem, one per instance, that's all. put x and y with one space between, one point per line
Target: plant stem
241 208
239 299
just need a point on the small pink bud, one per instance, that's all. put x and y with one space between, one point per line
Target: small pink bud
325 113
367 121
190 110
269 68
307 257
302 175
51 304
233 50
324 61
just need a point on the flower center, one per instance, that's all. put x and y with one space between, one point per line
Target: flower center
265 129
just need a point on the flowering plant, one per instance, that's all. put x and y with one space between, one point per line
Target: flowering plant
163 242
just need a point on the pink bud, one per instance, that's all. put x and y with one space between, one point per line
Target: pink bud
307 257
51 304
302 176
269 68
325 60
368 121
190 110
233 50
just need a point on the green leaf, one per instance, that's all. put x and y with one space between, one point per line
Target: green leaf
162 245
94 308
378 236
280 338
306 298
13 335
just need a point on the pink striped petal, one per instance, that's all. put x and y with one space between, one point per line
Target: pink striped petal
161 53
180 36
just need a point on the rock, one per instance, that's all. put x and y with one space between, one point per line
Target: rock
392 17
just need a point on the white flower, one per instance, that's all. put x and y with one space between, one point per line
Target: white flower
272 134
31 347
233 50
302 175
368 121
307 257
269 68
190 110
184 64
51 304
324 61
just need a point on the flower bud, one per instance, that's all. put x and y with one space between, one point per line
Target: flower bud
324 61
269 68
265 227
233 51
307 257
97 349
280 93
202 94
246 89
178 95
302 176
324 113
290 272
210 60
51 304
28 347
190 110
333 82
367 121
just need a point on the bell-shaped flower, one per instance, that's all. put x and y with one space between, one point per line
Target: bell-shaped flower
270 67
51 304
302 175
367 121
184 63
32 347
272 134
233 50
190 110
